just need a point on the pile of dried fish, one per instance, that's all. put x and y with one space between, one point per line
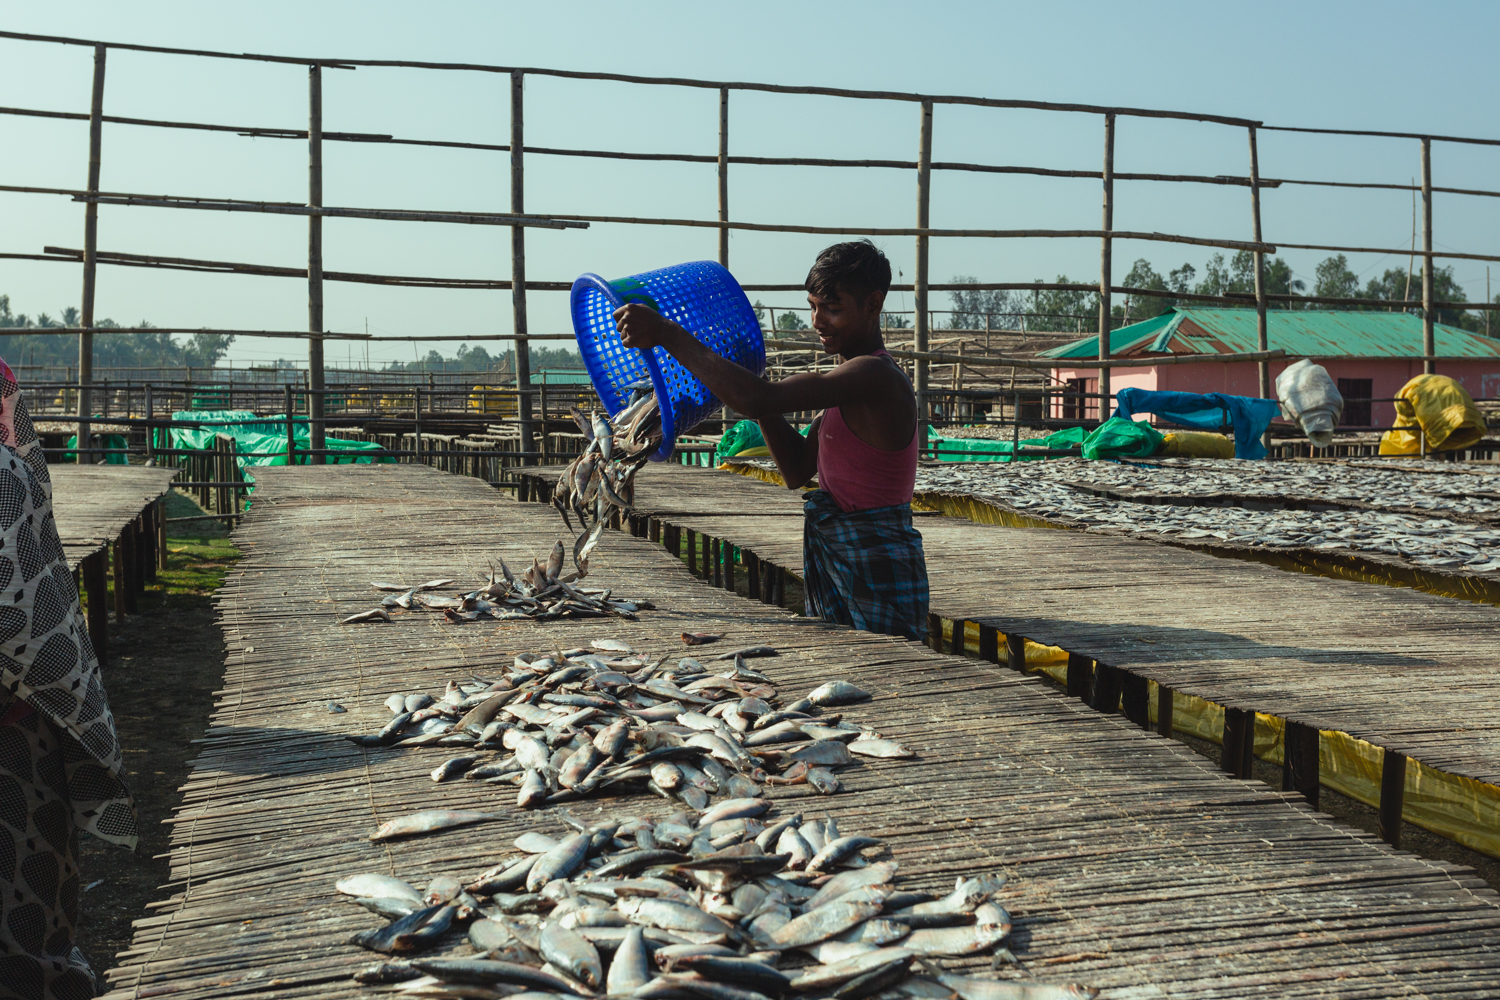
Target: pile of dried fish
1060 492
729 905
563 726
604 475
541 592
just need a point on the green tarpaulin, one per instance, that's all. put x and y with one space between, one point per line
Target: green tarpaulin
991 450
262 440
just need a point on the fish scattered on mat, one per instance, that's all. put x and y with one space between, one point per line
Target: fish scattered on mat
541 592
569 724
719 917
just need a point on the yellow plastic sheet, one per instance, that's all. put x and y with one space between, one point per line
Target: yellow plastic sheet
1197 444
1441 408
1461 809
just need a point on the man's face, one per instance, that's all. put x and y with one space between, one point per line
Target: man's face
842 321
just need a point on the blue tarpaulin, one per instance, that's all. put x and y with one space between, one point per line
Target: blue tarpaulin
1249 416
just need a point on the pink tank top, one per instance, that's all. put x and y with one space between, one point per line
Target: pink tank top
861 476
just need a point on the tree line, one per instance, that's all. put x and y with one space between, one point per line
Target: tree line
137 350
1060 311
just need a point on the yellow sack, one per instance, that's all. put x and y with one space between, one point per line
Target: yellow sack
1444 411
1197 444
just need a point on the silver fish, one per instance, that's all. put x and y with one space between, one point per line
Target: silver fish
823 923
836 693
560 862
978 988
879 748
375 884
572 953
824 976
672 916
533 791
428 821
846 882
837 851
373 615
631 967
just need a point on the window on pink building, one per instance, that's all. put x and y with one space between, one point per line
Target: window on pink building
1356 393
1079 407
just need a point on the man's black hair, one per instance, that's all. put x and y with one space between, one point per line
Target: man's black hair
858 268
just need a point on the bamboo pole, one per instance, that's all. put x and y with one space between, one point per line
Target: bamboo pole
919 296
1046 364
387 214
90 247
518 260
724 175
1262 341
316 441
1106 270
1428 343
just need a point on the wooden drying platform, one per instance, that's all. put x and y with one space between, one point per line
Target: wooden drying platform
1416 675
1134 865
104 507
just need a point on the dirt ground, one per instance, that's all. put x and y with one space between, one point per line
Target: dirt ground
164 664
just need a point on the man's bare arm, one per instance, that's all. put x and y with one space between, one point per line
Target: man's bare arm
796 456
737 387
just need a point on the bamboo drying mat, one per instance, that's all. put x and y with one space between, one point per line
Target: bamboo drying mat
93 503
1408 671
1134 864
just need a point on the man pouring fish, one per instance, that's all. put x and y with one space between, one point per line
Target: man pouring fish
863 564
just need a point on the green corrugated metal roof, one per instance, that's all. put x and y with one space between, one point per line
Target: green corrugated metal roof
1301 333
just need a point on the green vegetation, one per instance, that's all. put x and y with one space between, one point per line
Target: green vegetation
196 566
201 350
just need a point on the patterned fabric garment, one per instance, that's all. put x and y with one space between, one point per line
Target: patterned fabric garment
60 761
864 569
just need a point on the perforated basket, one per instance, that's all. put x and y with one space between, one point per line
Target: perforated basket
705 300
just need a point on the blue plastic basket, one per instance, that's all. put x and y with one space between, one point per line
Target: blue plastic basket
701 296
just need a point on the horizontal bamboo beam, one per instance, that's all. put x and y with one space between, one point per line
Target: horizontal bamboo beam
978 361
761 227
30 331
878 95
69 255
1380 135
387 214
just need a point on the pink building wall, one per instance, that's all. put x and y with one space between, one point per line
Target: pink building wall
1480 378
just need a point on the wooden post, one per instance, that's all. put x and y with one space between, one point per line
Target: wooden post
416 425
134 578
1105 695
1015 650
119 579
655 530
518 264
1164 709
1106 253
1429 348
958 640
149 554
1392 789
726 550
715 552
90 261
1299 767
1262 338
692 552
752 573
291 439
150 431
161 534
1080 676
919 296
724 175
1134 699
989 644
95 588
934 632
1239 741
315 263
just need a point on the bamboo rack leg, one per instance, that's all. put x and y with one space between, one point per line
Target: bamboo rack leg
1106 252
1299 769
1134 695
655 530
956 640
752 573
1392 797
1164 708
728 554
1015 650
717 551
149 551
316 439
95 589
1239 741
119 580
1080 676
692 551
989 644
90 261
161 534
1105 696
934 631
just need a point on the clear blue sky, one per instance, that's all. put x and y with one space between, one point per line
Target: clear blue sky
1353 65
